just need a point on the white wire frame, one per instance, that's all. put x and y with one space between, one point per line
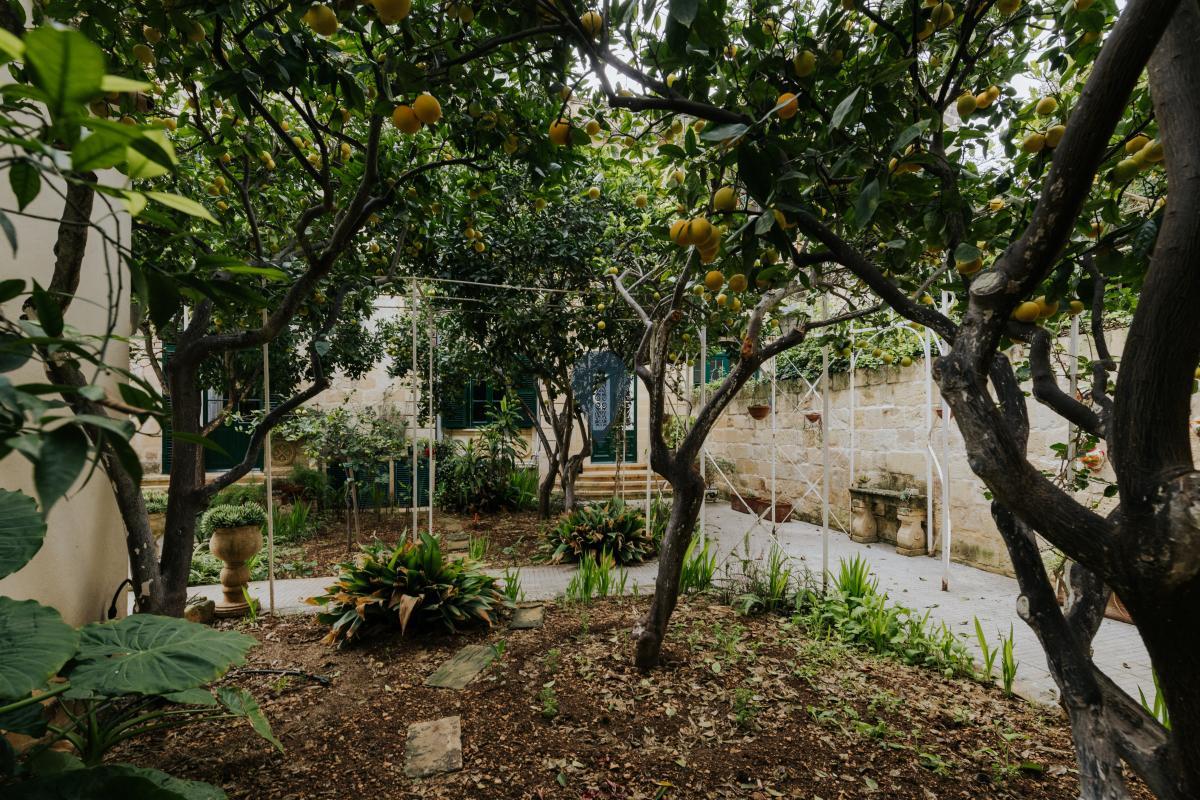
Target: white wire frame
935 466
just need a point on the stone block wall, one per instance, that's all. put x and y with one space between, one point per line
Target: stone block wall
889 452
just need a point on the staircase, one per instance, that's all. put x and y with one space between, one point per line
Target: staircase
602 481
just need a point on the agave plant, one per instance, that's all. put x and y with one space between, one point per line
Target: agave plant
409 586
610 527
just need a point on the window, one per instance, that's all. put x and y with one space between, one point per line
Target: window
472 407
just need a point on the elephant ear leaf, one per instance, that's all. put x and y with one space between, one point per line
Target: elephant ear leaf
146 654
243 704
113 780
35 642
22 530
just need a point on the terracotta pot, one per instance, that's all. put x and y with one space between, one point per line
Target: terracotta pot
759 411
235 546
813 416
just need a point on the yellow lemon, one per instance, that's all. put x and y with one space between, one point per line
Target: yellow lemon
787 104
404 118
560 132
427 108
725 199
322 20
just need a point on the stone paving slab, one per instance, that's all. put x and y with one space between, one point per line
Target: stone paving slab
462 667
527 617
433 747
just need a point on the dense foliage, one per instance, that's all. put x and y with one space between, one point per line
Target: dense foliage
409 586
610 529
485 473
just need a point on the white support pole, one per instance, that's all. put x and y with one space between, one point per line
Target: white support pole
432 396
947 531
703 449
825 472
266 401
774 443
853 404
1073 372
412 482
928 444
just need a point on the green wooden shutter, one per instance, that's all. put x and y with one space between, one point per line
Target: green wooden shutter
456 411
527 392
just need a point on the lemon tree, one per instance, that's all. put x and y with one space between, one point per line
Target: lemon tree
1013 156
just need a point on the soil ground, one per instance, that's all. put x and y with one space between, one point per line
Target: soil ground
742 708
513 538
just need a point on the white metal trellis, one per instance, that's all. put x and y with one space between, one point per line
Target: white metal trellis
810 485
935 466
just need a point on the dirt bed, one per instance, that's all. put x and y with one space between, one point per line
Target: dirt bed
742 708
513 538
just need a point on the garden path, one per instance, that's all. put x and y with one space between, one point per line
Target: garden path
913 581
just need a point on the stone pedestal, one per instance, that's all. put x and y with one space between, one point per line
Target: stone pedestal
235 546
910 538
862 521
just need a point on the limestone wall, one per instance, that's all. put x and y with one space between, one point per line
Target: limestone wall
889 452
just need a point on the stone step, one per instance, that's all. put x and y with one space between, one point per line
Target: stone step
462 667
433 747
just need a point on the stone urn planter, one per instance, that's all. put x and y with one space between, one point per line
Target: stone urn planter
236 537
759 410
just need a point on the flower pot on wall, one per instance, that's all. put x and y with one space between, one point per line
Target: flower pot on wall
759 410
235 546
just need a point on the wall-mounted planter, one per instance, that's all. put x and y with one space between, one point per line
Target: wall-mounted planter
759 410
813 416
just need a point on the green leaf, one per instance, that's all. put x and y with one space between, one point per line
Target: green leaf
66 67
684 11
150 156
113 780
181 203
146 654
22 530
48 312
62 458
35 642
13 287
720 133
966 252
100 150
10 232
26 182
192 697
270 273
242 703
868 201
843 109
909 134
116 83
11 47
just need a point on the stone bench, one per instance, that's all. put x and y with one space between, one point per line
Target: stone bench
888 515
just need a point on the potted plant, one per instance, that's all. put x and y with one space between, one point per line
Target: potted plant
156 510
759 404
236 537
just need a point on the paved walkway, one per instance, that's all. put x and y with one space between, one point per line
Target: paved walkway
914 582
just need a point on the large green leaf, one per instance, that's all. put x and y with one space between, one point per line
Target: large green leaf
62 458
65 65
35 642
22 530
242 703
145 654
110 781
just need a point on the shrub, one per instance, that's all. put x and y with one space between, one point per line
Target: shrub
857 613
313 485
610 527
205 569
523 489
410 586
230 517
699 567
596 577
293 524
156 502
482 474
239 494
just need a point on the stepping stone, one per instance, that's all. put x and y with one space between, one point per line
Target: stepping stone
462 667
527 617
433 747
